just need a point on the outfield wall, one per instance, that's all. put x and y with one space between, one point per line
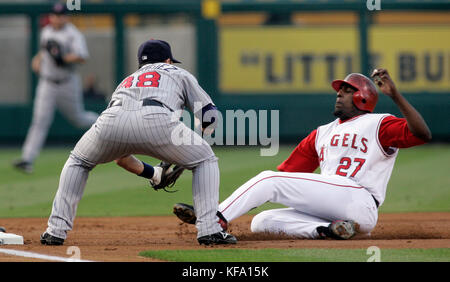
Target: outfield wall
251 57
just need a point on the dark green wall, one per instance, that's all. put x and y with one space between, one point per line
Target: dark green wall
299 114
18 118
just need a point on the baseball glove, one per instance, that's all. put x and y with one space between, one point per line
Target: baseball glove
168 176
55 51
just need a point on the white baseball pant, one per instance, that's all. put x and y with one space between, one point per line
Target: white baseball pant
313 200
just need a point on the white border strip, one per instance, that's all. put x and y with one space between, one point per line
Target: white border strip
40 256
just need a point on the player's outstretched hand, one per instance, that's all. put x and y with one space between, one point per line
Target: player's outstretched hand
384 81
168 176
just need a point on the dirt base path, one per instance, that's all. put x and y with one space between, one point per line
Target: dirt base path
120 239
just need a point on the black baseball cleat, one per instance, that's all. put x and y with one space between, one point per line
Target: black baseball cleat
219 238
2 229
47 239
339 229
23 166
186 214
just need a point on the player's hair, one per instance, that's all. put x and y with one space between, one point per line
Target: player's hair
151 62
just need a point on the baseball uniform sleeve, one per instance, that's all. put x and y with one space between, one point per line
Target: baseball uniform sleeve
304 158
195 97
43 37
78 45
394 132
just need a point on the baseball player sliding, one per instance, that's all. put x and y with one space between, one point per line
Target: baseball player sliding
141 117
62 48
356 154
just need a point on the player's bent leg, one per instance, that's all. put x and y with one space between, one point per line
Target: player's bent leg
287 221
43 113
255 192
206 198
328 197
194 153
70 191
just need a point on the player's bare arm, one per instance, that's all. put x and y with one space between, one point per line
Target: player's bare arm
36 62
416 123
131 164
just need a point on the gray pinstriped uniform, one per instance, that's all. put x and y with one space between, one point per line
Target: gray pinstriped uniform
132 128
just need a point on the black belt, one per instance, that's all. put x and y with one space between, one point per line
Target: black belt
151 102
145 102
376 202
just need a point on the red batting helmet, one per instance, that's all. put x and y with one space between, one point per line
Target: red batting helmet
366 96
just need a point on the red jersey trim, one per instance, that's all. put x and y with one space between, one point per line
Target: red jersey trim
378 139
315 142
350 119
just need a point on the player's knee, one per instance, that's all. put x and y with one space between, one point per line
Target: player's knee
79 161
211 159
365 227
366 222
260 222
366 218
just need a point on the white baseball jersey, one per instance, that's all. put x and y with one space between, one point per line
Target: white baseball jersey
71 40
354 169
352 149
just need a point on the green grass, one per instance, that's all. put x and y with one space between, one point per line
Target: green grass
300 255
419 182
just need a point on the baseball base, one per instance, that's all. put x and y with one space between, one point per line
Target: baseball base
10 239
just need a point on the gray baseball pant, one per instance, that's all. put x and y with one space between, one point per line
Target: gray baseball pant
68 98
136 129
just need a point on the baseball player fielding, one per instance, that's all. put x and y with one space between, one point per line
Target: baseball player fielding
140 118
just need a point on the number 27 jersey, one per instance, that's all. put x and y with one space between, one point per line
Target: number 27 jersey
351 149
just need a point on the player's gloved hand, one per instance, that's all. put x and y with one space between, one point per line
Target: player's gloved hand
169 176
56 52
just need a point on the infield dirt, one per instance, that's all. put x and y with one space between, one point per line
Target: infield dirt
120 239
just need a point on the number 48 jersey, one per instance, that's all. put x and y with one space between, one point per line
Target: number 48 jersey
352 149
171 85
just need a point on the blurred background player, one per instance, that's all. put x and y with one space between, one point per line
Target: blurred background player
62 47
